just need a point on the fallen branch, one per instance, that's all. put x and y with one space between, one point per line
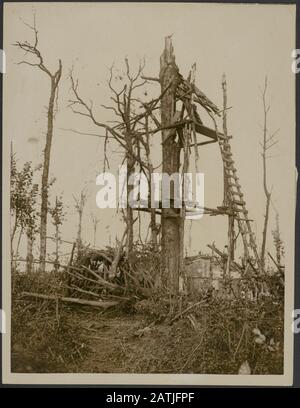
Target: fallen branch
193 351
186 310
97 303
87 292
146 329
240 341
102 281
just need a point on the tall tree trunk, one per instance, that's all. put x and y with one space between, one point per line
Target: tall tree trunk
17 248
79 237
172 225
13 233
265 229
153 226
56 266
79 205
95 233
33 50
29 257
95 222
45 176
129 210
265 184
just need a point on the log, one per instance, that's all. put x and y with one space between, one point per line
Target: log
87 292
97 303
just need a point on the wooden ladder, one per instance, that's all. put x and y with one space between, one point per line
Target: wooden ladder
237 202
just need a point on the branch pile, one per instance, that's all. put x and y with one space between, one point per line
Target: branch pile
103 278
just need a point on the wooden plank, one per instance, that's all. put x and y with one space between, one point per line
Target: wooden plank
206 131
241 210
234 185
237 193
204 143
243 219
237 202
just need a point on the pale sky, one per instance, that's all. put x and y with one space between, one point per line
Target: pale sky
246 42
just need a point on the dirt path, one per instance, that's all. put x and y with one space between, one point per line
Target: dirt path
118 346
90 341
112 342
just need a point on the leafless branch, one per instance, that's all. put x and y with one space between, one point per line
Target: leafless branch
147 78
90 114
86 134
34 51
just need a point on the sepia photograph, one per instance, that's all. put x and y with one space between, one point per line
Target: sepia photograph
149 193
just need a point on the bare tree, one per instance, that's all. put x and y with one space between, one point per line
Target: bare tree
278 243
79 205
127 129
57 213
268 142
33 50
150 168
95 222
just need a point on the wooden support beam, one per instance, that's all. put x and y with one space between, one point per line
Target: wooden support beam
203 143
206 131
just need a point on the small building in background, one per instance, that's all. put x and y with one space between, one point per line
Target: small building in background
205 272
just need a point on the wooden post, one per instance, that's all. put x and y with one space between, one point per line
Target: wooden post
172 225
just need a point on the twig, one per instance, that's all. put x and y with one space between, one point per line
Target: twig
240 341
186 310
193 351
